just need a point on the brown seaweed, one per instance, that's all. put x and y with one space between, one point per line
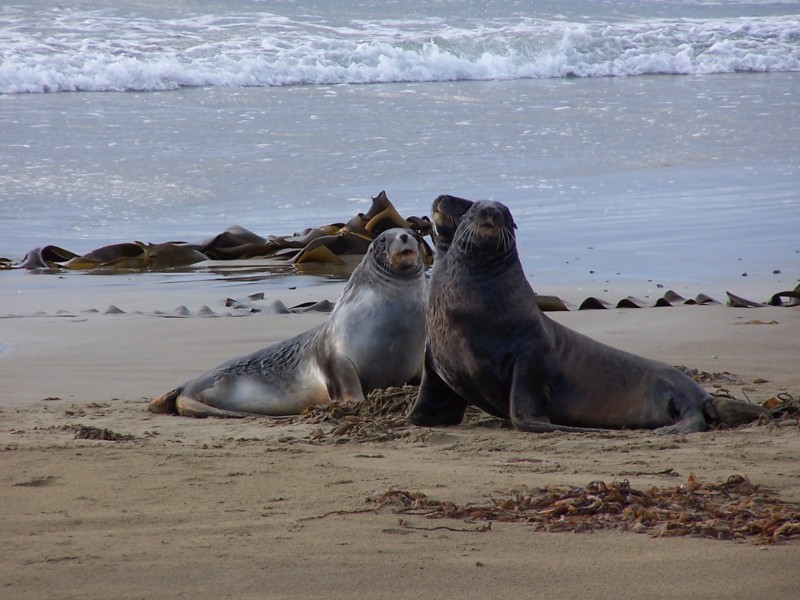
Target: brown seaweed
323 244
735 510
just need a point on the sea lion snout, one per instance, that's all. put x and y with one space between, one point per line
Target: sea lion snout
486 224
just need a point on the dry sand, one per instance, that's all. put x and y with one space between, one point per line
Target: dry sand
237 508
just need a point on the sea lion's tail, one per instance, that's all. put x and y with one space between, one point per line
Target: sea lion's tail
728 411
166 403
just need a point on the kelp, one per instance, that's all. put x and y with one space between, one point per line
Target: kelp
735 510
322 247
323 244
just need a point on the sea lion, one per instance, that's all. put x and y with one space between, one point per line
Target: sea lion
374 338
446 214
489 345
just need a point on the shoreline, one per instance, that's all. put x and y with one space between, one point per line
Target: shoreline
200 321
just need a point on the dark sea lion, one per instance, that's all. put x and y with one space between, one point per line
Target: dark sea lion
374 338
489 345
446 213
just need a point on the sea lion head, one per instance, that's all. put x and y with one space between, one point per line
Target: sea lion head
447 212
486 229
397 251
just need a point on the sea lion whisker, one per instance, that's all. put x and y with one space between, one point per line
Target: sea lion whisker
508 239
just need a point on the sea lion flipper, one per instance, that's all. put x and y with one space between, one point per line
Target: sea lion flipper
189 407
176 403
543 425
437 404
166 403
735 412
342 380
692 424
528 397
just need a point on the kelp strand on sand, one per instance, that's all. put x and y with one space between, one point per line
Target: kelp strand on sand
736 510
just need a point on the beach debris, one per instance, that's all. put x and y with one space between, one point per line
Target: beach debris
380 418
277 307
735 509
551 303
794 295
88 432
672 298
705 377
739 302
669 298
325 244
40 481
240 307
783 407
252 304
322 247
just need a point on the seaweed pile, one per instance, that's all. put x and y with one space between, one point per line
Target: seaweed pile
735 510
380 418
88 432
325 244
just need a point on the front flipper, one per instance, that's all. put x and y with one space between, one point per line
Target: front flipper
437 404
342 380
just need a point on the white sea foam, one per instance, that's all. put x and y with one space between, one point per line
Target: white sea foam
70 50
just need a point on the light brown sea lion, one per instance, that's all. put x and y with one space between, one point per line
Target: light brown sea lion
374 338
490 345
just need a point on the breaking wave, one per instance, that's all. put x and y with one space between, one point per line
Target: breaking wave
95 51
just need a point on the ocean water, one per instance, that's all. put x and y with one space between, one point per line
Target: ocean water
633 141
